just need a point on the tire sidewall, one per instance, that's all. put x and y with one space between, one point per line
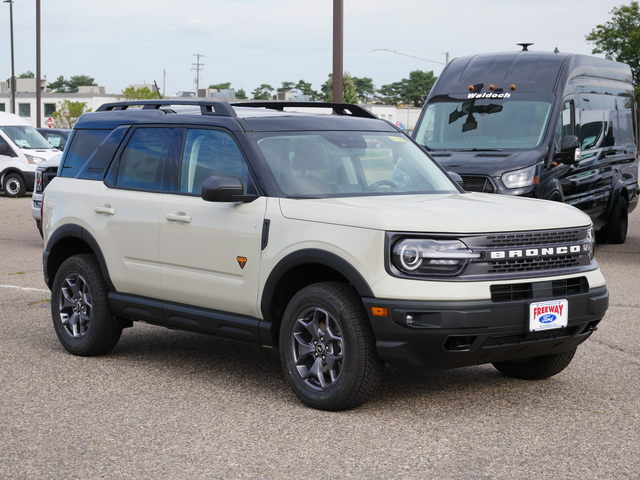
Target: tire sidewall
14 186
339 394
89 343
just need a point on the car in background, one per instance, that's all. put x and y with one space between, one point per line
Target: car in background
22 149
45 172
57 137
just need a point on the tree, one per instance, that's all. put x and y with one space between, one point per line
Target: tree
305 88
241 94
349 91
61 85
27 74
413 90
263 92
221 86
67 113
287 87
364 89
619 39
141 93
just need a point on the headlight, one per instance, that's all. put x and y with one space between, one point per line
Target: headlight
33 159
591 237
418 256
520 178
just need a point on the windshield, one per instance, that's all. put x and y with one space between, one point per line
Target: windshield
515 122
335 164
25 137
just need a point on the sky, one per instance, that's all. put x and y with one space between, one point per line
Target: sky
255 42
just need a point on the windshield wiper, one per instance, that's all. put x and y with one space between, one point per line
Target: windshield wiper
478 149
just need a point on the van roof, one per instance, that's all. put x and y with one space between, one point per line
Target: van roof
7 119
528 71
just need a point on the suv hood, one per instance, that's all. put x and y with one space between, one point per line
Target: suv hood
447 213
493 164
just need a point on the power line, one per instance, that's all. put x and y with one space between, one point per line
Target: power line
413 56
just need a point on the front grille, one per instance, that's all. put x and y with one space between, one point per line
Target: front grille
478 184
530 291
531 264
533 238
530 253
518 339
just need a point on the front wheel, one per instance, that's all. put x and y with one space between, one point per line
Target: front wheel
14 186
80 308
327 348
536 368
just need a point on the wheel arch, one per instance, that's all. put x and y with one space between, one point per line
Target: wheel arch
67 241
298 270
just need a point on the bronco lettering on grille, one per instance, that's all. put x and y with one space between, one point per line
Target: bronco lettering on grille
538 252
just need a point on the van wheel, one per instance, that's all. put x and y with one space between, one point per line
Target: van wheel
536 368
14 186
327 348
80 308
616 229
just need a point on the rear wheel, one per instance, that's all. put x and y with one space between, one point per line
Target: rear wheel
327 348
536 368
616 229
14 185
80 308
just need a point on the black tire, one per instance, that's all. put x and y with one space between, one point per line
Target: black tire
14 186
616 229
536 368
80 308
327 348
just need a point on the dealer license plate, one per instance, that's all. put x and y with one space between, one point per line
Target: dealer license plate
548 315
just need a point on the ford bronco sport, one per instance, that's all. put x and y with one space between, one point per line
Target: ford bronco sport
333 237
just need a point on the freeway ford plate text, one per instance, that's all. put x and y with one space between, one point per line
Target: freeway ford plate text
548 315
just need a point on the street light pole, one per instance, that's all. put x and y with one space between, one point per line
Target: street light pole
338 21
13 71
38 72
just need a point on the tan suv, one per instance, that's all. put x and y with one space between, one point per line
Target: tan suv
333 237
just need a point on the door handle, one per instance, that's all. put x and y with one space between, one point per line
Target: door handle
179 217
106 209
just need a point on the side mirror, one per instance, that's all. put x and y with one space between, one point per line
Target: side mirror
6 150
569 150
457 178
224 189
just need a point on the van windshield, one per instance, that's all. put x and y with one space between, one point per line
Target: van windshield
457 122
25 136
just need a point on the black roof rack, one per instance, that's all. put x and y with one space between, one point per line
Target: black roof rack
207 107
338 108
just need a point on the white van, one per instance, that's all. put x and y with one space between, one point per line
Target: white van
22 148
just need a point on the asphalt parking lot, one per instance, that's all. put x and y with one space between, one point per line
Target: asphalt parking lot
174 405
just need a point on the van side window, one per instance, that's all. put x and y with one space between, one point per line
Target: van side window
565 123
606 121
207 153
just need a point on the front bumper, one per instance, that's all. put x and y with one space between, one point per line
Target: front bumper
429 335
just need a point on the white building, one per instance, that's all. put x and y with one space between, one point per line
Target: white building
25 99
94 96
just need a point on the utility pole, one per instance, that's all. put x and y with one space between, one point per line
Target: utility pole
198 66
338 42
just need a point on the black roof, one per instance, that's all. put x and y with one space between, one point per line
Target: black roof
528 71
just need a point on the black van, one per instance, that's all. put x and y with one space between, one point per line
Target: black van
550 125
